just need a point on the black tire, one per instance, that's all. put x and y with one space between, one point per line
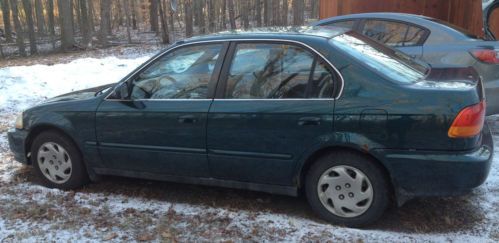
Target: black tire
78 175
378 181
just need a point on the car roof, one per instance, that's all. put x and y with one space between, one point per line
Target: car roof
388 15
285 33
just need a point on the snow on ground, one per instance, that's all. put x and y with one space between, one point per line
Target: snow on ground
120 209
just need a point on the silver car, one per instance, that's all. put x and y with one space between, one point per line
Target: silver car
431 40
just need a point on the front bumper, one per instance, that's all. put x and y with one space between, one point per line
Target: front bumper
438 173
17 142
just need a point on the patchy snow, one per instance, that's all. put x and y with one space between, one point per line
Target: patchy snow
119 209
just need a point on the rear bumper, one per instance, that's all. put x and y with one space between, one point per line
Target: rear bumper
17 141
438 173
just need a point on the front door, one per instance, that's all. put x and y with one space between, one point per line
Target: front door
161 127
275 102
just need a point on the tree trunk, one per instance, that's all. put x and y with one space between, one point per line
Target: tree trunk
71 15
223 18
276 16
31 26
51 28
153 15
164 24
258 10
134 18
232 13
105 13
284 13
6 20
211 16
188 18
40 19
126 5
85 28
298 7
18 27
65 17
314 9
91 16
245 7
199 18
266 12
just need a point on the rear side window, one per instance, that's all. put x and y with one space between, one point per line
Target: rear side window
394 34
277 71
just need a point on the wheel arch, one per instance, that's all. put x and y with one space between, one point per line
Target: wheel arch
38 129
331 149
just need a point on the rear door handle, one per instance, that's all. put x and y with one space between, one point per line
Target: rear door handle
187 119
309 121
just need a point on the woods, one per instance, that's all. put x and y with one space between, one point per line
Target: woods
30 27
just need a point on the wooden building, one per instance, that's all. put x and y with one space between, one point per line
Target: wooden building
464 13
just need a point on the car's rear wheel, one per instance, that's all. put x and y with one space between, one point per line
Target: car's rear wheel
347 188
57 161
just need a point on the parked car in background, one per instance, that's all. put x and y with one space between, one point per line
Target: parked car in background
488 9
434 41
347 121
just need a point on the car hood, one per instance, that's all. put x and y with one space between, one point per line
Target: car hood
79 95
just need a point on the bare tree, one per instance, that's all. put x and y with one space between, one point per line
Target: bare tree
258 15
105 20
266 12
199 18
188 18
134 17
153 15
126 6
40 19
276 16
18 27
211 15
164 24
6 20
51 27
85 21
245 6
284 12
223 17
232 14
31 27
298 13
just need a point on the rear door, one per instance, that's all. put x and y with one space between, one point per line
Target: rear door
274 100
403 36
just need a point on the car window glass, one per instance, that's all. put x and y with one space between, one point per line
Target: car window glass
393 34
342 24
181 74
386 61
271 71
321 85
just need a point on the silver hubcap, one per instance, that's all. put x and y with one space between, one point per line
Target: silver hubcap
345 191
54 162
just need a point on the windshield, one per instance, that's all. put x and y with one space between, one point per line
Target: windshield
389 62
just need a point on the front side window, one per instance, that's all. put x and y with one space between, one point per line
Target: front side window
277 71
393 34
181 74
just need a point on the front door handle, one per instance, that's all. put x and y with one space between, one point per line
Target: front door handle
309 121
187 119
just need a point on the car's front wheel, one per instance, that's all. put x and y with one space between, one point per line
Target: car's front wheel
347 188
57 161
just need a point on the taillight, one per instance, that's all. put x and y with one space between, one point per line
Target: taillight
469 122
486 55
